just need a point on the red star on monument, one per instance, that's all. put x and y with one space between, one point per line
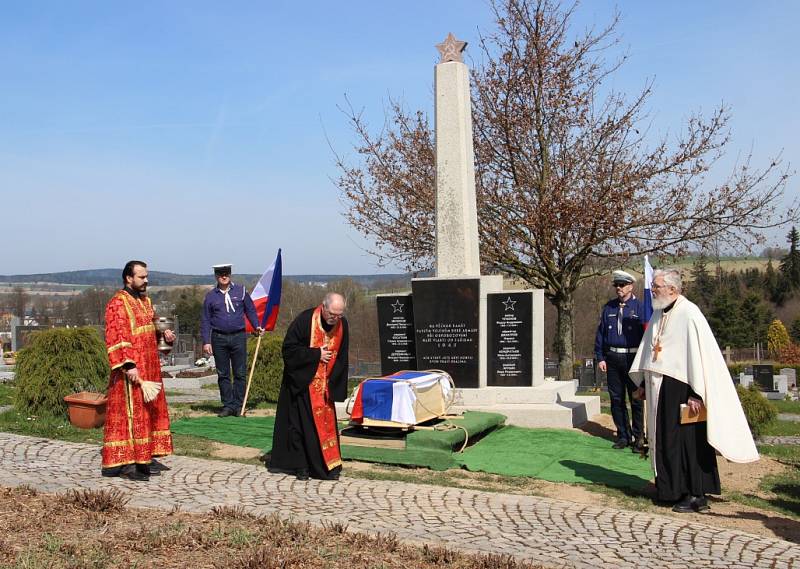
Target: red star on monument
451 49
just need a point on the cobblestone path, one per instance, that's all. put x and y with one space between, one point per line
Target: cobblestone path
552 532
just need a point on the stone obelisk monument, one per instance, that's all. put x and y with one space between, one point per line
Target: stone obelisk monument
456 209
489 340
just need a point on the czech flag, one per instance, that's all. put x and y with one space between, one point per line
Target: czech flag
647 301
267 296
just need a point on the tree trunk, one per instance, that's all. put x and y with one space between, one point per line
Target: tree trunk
565 345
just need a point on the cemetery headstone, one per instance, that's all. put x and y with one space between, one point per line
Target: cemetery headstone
791 376
763 377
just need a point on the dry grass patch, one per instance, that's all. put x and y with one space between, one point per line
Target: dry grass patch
95 528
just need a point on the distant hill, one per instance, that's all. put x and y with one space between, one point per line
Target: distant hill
111 277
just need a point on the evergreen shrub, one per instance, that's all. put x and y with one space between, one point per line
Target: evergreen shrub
56 363
758 411
777 338
269 368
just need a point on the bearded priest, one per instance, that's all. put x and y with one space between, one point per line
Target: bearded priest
136 430
305 441
680 364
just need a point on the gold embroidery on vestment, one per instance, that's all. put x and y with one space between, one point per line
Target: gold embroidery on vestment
116 347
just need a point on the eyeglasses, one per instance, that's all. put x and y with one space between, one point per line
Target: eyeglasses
654 286
620 285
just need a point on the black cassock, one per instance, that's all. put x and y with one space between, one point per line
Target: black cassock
295 443
685 462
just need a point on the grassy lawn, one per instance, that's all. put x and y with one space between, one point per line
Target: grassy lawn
60 428
6 393
783 489
782 429
787 406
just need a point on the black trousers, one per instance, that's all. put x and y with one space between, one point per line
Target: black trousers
230 354
620 384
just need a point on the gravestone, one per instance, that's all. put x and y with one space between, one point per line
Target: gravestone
791 376
20 335
396 333
763 377
510 340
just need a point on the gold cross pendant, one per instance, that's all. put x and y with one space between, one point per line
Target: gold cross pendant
656 350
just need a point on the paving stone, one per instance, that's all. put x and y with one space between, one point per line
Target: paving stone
544 530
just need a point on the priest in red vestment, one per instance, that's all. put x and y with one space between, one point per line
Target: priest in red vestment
135 431
305 441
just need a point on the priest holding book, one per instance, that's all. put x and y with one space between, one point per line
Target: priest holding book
679 363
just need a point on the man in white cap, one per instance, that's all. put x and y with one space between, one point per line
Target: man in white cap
223 331
680 365
617 339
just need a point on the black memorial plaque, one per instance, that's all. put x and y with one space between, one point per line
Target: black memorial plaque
763 377
510 339
446 327
396 333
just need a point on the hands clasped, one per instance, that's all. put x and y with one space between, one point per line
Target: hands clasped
325 354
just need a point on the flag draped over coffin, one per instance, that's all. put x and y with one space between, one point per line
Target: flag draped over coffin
392 398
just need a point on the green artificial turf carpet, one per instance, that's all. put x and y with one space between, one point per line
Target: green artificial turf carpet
548 454
556 455
240 431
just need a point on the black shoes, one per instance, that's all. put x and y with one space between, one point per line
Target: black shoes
700 503
226 412
302 474
690 504
620 444
157 467
137 473
637 445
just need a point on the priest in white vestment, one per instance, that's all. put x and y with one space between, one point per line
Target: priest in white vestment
679 362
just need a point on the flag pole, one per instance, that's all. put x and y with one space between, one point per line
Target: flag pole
250 377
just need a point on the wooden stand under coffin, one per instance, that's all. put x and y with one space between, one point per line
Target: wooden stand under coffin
375 438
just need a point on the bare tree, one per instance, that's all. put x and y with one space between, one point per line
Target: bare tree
569 180
19 302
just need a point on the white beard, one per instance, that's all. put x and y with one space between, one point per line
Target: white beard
660 303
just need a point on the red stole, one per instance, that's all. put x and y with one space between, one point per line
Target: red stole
322 406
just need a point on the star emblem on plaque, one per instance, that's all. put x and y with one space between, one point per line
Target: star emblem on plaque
509 304
397 306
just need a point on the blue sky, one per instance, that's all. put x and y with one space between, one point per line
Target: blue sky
193 133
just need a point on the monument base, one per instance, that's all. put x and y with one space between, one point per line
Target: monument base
552 404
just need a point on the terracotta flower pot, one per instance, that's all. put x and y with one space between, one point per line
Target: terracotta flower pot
87 410
9 361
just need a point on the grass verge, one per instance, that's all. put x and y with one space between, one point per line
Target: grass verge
6 393
781 492
784 406
780 428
